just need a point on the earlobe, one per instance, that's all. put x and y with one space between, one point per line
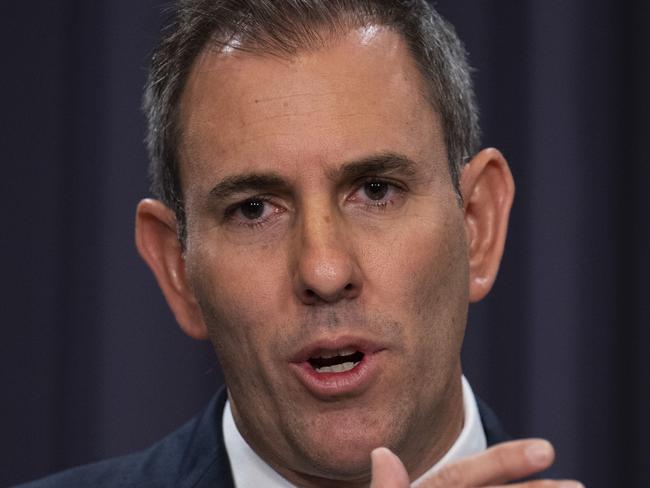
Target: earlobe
157 242
488 190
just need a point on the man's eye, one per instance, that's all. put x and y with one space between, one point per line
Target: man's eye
378 194
376 190
252 209
254 212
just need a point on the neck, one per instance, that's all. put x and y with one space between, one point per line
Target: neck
422 452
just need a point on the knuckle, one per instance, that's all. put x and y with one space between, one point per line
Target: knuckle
504 460
508 461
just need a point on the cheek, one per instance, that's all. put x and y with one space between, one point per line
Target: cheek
432 264
227 300
241 300
441 281
236 336
428 285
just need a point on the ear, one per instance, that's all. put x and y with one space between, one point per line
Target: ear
157 243
488 189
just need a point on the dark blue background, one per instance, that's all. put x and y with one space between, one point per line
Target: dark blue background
92 364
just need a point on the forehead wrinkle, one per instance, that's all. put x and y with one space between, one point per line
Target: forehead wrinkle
267 118
325 124
312 94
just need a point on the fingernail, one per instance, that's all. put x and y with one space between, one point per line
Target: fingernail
374 454
570 484
539 454
380 452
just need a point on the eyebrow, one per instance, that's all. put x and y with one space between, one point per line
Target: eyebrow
377 164
251 182
386 162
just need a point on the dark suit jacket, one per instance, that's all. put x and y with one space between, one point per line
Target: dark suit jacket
192 457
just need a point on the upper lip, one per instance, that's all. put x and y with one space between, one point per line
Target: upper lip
317 347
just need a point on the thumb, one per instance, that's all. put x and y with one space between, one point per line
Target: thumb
387 470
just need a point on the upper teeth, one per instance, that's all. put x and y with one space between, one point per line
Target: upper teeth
339 352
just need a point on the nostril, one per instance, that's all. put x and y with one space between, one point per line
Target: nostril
314 295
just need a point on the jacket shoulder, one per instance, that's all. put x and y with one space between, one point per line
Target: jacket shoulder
186 458
111 472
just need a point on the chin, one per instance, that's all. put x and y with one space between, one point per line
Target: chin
340 466
342 451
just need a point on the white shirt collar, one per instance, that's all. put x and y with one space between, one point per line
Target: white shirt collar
250 471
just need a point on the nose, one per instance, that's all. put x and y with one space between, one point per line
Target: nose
326 270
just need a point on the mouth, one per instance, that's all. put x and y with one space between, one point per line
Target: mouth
339 361
340 367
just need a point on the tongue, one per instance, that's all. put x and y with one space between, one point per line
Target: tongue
323 362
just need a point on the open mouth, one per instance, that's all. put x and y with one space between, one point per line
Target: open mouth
338 367
339 361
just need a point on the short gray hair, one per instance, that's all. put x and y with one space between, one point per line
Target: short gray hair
284 27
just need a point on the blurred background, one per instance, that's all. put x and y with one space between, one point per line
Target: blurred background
92 363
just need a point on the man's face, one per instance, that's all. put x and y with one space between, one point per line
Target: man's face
322 222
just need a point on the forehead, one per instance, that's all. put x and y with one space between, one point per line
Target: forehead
360 94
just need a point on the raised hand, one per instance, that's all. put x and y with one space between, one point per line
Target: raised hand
494 467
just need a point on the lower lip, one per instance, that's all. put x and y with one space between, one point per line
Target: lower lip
329 385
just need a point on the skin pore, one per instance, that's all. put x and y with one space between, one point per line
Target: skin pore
321 214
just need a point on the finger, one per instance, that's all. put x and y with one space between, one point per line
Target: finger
499 464
387 470
544 484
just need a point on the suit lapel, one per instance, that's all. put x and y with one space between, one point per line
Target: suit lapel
494 432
